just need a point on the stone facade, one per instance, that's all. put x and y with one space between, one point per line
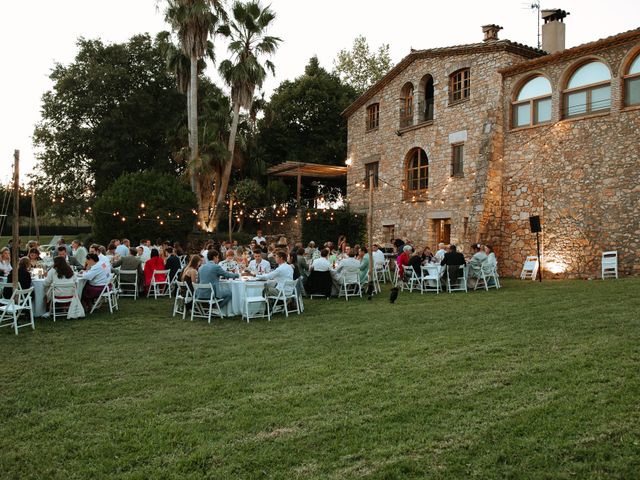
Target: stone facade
580 175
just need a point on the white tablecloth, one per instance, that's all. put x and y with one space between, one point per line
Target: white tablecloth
238 289
40 297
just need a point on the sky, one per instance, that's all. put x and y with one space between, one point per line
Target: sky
36 34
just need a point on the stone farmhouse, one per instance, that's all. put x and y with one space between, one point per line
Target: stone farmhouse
465 143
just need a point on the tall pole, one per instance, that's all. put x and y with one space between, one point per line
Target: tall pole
35 214
539 259
231 218
370 228
15 248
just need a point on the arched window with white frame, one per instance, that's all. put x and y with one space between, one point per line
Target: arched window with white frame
532 105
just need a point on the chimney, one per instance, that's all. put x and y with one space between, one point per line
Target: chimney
553 30
491 32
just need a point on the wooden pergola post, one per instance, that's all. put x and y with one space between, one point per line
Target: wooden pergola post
15 247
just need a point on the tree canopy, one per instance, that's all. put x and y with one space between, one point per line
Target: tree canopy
303 122
137 205
361 68
114 109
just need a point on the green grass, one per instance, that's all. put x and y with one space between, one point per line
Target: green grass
533 381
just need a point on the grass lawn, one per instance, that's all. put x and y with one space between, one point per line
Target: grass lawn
532 381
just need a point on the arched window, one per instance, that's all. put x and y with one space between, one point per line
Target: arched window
588 90
426 105
533 103
632 83
417 171
406 105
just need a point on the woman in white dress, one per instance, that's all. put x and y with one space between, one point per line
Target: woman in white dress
5 262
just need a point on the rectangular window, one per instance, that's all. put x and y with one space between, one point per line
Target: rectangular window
373 116
632 91
542 111
460 86
521 114
371 168
576 103
457 160
601 98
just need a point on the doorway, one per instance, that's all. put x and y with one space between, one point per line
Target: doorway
442 228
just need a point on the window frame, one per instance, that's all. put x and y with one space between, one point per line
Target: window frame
627 78
407 95
372 116
457 172
532 102
376 174
410 171
461 86
587 89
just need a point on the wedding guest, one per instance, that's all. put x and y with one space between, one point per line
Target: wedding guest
34 258
131 262
62 277
210 273
427 256
190 272
24 277
123 248
97 277
321 264
259 265
403 259
259 238
283 272
303 265
78 251
363 257
452 260
172 263
229 264
62 252
154 263
5 261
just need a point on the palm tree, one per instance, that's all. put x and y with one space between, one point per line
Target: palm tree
244 72
194 21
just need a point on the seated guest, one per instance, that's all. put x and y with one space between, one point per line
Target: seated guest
154 263
63 243
259 265
293 261
349 265
321 264
403 259
415 262
427 256
207 246
123 248
130 262
210 273
5 262
478 259
62 252
491 257
190 273
452 260
178 249
259 238
97 276
34 258
78 252
283 272
363 256
62 277
439 256
310 250
229 263
24 277
378 256
303 266
172 263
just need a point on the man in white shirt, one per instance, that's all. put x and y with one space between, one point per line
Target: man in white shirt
259 238
439 256
378 256
282 273
321 264
349 266
123 248
96 276
259 265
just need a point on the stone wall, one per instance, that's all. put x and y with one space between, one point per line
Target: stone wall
472 203
581 175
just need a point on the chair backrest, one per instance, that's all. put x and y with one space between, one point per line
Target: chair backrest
350 277
203 286
432 271
187 290
289 287
609 258
22 297
128 273
530 263
63 291
159 272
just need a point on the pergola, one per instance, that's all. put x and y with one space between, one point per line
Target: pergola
301 169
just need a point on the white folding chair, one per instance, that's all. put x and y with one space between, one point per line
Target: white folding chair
381 271
205 305
256 304
350 285
487 277
160 287
107 295
609 264
20 302
61 300
461 282
183 260
413 280
284 296
173 282
130 281
376 284
430 280
530 268
184 295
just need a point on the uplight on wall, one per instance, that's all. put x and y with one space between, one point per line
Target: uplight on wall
348 162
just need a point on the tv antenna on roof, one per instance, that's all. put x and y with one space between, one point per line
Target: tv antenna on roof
535 5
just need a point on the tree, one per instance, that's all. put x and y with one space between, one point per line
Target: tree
303 121
114 109
244 72
136 205
361 68
194 21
